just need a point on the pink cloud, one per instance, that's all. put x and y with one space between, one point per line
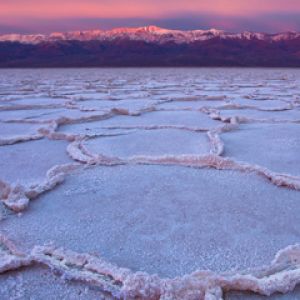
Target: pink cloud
46 15
140 8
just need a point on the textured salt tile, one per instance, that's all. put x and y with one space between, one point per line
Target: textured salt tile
14 94
84 95
40 101
90 129
11 130
169 118
40 283
28 162
43 114
130 105
194 105
295 295
190 119
287 115
275 146
164 219
261 104
28 114
105 92
151 142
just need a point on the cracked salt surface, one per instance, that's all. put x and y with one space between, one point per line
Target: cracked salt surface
167 220
43 115
28 162
40 283
14 130
151 142
253 115
134 105
246 296
189 104
275 146
195 169
42 100
156 119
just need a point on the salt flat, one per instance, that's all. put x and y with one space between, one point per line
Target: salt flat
158 142
150 183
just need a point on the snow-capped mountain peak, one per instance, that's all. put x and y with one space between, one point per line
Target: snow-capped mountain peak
151 33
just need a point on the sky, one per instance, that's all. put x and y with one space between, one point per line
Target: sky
45 16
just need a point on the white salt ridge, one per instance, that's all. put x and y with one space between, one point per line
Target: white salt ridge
281 275
23 168
17 196
217 162
40 281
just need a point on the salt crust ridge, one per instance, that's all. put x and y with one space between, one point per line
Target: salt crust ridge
17 197
281 275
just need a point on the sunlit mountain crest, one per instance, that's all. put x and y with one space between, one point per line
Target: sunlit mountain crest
151 34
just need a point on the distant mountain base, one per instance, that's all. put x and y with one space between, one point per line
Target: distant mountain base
130 53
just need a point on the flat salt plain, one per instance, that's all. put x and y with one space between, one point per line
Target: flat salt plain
159 171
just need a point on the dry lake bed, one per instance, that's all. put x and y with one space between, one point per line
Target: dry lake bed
150 184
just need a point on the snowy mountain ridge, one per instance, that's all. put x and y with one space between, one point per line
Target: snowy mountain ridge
151 34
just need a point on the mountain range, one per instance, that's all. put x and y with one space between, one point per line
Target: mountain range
150 46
